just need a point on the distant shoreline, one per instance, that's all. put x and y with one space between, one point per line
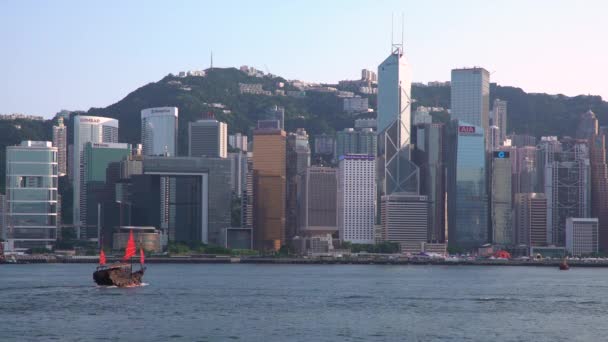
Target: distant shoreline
319 261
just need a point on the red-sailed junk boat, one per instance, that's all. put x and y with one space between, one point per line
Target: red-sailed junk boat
120 273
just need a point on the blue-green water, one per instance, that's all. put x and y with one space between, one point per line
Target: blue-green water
306 303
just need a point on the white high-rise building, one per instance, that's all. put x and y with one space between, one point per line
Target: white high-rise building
95 129
238 141
356 201
60 141
470 101
581 236
159 131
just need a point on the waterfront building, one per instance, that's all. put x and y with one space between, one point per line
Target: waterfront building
208 138
356 199
470 100
298 159
567 183
317 202
430 156
247 197
238 141
159 131
396 170
499 119
587 126
581 236
238 172
530 219
31 195
93 129
501 215
467 187
405 220
148 238
599 187
269 172
351 141
60 142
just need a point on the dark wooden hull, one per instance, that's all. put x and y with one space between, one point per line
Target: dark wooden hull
121 276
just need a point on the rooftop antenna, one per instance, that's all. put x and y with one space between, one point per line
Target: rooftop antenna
392 30
397 48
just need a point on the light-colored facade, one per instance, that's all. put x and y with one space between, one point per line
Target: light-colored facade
317 201
351 141
238 141
356 201
499 119
31 194
502 227
470 99
94 129
159 131
208 138
405 220
530 219
355 104
60 135
581 236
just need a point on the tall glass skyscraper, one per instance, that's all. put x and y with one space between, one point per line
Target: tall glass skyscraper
468 198
470 101
159 131
31 194
94 129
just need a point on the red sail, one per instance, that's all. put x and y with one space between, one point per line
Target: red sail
130 250
102 258
141 256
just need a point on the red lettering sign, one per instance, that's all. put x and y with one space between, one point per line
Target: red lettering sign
466 129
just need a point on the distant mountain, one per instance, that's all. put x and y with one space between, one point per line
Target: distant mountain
318 112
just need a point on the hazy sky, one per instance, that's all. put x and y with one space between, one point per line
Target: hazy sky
81 54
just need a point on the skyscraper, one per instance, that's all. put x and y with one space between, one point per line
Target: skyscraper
351 141
60 141
470 100
467 188
209 138
356 205
31 194
499 118
298 159
599 187
94 129
405 220
502 227
530 219
587 126
269 178
159 131
317 202
238 141
581 236
396 171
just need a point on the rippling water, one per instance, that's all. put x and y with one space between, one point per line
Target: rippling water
306 303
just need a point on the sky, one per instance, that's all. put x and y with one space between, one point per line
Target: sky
73 54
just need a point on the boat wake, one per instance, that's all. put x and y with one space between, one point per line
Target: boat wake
119 287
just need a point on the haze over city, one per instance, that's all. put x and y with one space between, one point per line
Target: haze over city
76 55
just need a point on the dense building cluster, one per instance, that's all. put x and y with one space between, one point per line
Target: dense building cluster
403 177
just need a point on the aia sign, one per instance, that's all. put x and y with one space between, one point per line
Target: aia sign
466 129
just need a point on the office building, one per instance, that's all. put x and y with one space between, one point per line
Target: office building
567 187
269 172
298 160
499 119
581 236
587 125
530 219
429 155
467 188
366 123
159 131
405 220
95 189
351 141
247 197
238 172
275 118
355 104
60 136
324 145
356 204
470 100
599 187
525 171
501 215
31 195
397 172
521 140
238 141
93 129
317 202
422 115
208 138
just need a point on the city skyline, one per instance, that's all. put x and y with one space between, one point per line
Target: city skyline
110 63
